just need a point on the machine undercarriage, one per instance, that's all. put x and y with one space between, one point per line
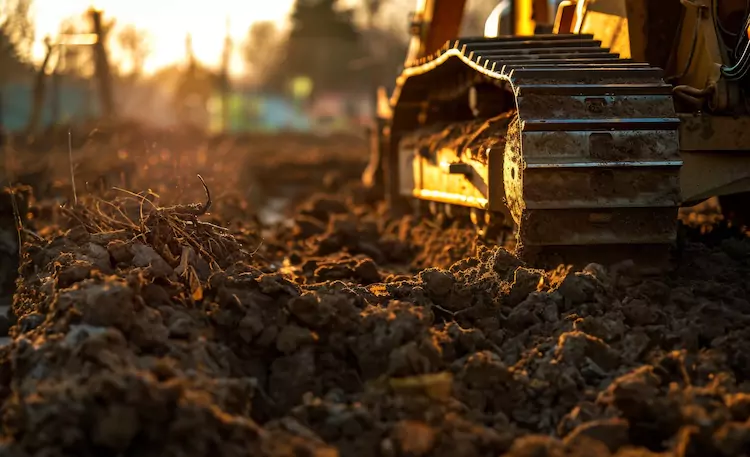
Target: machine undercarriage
553 134
583 154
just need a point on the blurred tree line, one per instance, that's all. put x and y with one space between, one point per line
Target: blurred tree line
65 58
340 48
327 44
133 44
16 37
336 47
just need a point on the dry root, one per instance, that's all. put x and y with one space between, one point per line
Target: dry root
169 230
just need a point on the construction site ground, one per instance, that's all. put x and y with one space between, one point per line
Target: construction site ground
297 318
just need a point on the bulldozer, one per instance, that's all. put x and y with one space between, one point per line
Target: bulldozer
581 127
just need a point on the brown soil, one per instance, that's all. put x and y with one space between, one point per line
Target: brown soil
142 329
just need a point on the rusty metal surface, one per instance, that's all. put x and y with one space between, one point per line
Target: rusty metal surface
590 158
450 163
710 173
700 132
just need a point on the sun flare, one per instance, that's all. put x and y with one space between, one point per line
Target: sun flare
167 22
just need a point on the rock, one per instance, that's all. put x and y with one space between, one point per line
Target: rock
307 227
334 271
117 427
525 281
367 271
438 283
309 311
732 438
322 207
577 288
74 273
291 337
598 271
484 370
536 446
503 263
108 303
408 359
79 333
291 376
640 313
576 347
145 256
414 438
608 328
148 330
29 322
739 405
436 386
99 257
180 327
634 393
612 432
120 251
531 311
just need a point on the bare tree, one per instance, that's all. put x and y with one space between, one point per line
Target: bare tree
226 58
261 50
137 45
16 38
39 90
74 60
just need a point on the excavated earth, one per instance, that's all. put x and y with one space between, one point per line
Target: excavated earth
298 318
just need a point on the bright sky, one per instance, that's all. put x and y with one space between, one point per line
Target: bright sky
168 22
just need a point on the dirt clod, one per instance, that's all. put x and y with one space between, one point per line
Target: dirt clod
141 328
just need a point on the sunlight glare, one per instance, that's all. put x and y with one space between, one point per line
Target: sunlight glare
80 39
167 22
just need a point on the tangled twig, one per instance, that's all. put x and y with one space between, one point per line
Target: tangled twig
193 209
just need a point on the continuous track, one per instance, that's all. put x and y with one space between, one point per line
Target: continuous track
591 157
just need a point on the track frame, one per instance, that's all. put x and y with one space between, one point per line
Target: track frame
590 157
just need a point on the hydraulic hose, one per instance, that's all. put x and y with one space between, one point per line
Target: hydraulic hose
739 70
741 66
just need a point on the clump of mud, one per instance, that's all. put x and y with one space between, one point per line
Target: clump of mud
144 329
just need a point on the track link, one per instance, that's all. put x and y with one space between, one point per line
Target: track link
590 164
